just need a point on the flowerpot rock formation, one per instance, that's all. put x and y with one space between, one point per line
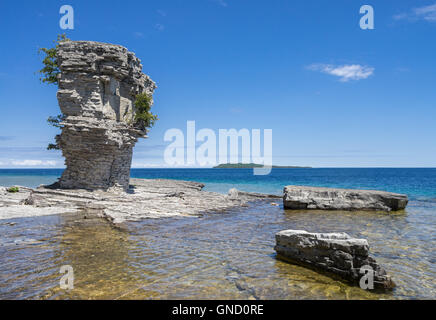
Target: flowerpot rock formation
98 84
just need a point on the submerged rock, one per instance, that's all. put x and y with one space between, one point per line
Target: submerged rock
337 253
299 197
98 84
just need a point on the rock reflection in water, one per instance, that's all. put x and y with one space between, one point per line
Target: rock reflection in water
217 256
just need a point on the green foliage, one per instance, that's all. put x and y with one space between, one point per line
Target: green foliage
144 118
13 190
53 146
55 121
49 73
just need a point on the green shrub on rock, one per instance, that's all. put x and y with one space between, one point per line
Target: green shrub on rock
144 118
49 74
13 189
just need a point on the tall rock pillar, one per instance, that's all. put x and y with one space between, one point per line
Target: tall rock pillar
98 84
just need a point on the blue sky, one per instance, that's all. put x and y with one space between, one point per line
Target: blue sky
335 95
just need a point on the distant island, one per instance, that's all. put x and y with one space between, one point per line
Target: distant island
249 166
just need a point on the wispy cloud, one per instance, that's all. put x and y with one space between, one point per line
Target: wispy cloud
138 34
34 163
159 27
162 13
401 69
344 72
222 3
427 13
236 110
6 138
139 164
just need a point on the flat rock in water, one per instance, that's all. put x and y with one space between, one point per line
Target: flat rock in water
300 197
337 253
145 198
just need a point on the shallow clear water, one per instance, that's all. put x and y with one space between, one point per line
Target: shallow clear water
221 256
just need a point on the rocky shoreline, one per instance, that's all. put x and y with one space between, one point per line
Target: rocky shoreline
145 198
335 253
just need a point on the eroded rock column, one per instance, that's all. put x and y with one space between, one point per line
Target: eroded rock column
98 85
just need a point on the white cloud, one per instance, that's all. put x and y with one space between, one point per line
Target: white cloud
33 163
427 13
344 72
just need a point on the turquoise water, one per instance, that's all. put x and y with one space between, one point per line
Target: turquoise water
418 183
220 256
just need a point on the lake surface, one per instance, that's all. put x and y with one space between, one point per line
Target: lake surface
220 256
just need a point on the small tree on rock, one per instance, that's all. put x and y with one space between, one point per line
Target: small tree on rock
50 74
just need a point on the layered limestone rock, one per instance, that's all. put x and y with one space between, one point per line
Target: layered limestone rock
147 198
337 253
98 84
298 197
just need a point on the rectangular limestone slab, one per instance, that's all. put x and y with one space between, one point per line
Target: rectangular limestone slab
300 197
335 253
